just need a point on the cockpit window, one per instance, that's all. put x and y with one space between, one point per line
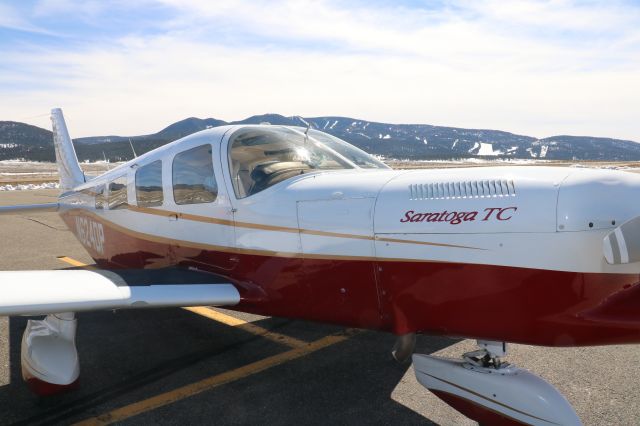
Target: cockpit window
262 157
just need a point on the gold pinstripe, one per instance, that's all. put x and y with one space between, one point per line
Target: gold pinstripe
249 225
258 252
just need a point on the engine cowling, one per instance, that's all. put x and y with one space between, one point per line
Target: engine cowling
474 200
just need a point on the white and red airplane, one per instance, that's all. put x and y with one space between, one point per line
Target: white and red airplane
292 222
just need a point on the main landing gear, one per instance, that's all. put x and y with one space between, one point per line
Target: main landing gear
492 392
49 357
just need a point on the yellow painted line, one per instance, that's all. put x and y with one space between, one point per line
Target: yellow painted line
223 318
73 262
217 316
207 384
246 326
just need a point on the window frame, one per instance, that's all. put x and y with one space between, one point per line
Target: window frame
100 199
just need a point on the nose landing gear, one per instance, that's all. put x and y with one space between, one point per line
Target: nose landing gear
490 391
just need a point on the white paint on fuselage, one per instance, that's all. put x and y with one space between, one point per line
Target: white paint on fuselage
369 204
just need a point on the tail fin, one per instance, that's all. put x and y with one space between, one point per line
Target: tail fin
68 167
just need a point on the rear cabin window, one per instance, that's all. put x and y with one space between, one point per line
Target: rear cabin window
118 193
193 178
149 185
101 200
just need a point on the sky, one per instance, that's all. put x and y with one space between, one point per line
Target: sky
128 67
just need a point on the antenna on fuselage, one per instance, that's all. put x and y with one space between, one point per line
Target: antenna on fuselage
134 151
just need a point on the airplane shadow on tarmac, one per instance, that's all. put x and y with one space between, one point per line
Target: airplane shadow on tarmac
129 356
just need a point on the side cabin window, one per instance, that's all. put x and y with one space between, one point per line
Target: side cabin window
193 178
94 196
118 193
101 200
149 185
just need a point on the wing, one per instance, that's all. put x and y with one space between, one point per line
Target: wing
46 292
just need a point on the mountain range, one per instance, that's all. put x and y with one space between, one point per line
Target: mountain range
398 141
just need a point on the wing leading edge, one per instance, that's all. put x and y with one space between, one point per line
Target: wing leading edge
47 292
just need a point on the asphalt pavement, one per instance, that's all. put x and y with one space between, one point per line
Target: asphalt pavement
175 366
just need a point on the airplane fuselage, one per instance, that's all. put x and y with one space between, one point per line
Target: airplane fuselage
498 253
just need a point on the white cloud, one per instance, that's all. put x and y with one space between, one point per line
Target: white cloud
12 18
482 66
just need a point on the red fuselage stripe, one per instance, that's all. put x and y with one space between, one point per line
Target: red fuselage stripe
512 304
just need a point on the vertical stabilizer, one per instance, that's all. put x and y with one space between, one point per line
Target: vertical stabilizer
68 167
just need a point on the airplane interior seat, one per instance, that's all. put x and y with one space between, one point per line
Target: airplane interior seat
244 182
268 174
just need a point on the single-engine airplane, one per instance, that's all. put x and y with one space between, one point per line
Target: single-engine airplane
292 222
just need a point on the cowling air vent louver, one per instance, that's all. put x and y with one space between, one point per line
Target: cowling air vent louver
465 189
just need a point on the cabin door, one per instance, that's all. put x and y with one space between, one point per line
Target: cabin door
201 220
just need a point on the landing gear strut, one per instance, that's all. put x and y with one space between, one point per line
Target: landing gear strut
490 391
489 356
403 348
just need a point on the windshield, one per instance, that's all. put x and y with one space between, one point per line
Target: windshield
350 152
261 157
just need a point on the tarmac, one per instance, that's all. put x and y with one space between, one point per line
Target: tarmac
178 366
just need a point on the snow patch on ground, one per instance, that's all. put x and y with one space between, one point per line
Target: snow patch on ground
604 166
476 145
487 149
454 144
543 151
486 161
333 125
425 141
27 173
362 134
22 161
386 136
30 186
